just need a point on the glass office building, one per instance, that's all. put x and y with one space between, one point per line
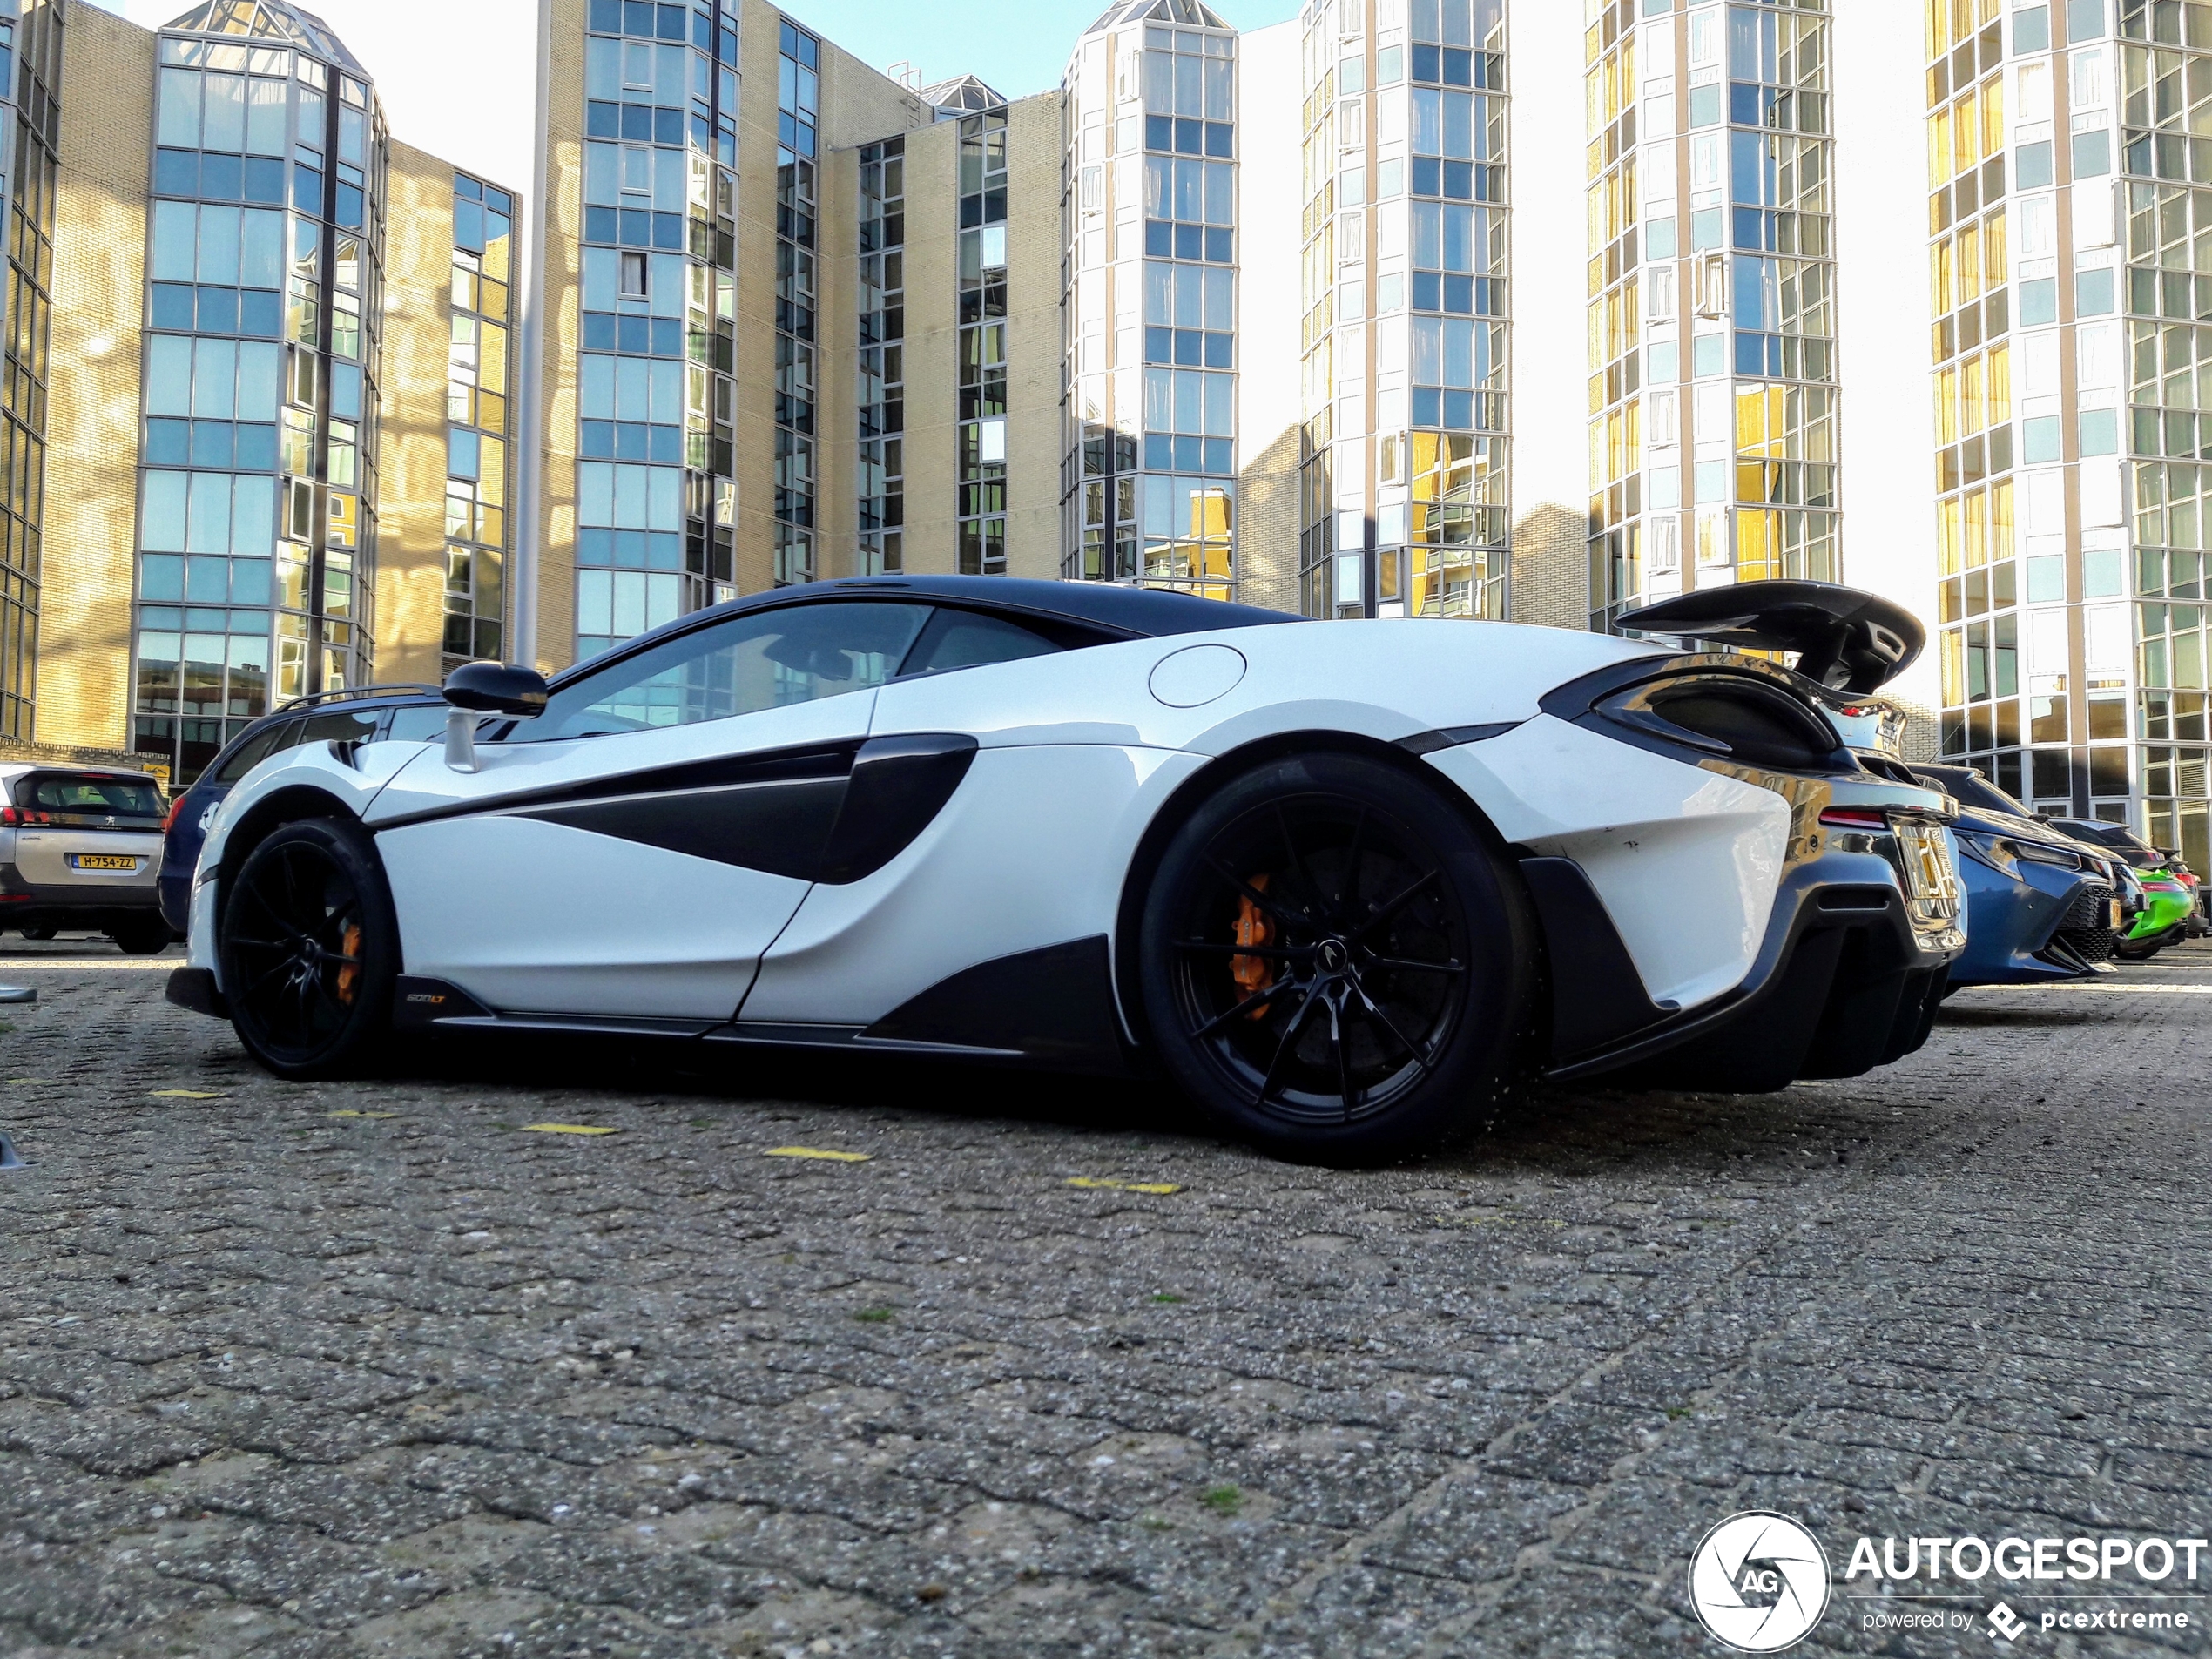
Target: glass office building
1149 484
656 510
264 318
1404 508
1713 388
2071 274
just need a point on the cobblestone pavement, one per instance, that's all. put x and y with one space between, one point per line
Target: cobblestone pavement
332 1372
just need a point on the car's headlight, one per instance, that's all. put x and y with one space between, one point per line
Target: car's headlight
2005 855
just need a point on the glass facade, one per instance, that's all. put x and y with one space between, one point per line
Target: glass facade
1713 392
264 314
797 105
883 358
1404 479
31 79
982 344
2071 269
478 421
656 507
1149 472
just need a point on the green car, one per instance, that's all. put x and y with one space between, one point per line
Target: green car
2169 912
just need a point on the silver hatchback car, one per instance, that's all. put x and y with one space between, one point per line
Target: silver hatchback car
80 848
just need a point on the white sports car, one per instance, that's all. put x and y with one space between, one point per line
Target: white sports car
1340 882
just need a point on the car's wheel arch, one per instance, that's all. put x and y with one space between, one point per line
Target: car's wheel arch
262 820
1176 809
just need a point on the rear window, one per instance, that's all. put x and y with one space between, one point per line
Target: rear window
91 793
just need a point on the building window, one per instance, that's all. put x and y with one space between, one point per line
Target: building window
882 334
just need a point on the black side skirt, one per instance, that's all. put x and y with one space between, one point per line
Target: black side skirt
1052 1008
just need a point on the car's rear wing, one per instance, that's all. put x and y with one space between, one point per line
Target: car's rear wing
1845 640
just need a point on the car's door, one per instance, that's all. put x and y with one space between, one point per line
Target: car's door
632 850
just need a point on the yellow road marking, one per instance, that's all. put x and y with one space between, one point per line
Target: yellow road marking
1159 1187
567 1129
816 1152
187 1094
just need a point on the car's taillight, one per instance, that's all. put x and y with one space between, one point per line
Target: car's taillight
9 817
1854 817
169 819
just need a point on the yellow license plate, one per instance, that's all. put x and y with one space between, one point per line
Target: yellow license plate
102 861
2118 919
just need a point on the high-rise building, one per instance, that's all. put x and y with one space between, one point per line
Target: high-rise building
326 408
1405 332
1713 368
2069 282
1149 479
257 435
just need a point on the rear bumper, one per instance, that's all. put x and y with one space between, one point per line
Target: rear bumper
1845 980
25 904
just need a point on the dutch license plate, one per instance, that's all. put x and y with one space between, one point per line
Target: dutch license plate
102 861
2117 918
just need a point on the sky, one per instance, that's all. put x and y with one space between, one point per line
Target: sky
468 98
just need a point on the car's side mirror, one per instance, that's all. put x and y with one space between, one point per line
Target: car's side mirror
477 689
496 688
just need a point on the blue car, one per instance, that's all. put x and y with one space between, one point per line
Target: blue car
2039 904
374 714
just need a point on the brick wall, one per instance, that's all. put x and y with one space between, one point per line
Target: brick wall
411 474
1550 578
1034 437
932 545
1267 525
561 249
93 385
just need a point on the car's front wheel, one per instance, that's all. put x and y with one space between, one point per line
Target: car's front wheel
309 948
1336 964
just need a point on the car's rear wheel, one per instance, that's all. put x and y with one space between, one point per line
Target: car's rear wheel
142 936
1336 964
40 933
309 948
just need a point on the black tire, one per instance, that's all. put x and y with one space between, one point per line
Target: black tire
141 936
40 933
309 949
1332 885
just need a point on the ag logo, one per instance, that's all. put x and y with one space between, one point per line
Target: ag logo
1759 1581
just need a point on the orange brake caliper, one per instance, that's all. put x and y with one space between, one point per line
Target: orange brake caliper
1253 973
351 938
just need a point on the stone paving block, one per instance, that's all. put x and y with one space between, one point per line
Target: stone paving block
425 1388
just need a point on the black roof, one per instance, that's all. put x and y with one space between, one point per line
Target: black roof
1133 613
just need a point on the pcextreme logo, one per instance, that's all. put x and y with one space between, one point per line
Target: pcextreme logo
1759 1581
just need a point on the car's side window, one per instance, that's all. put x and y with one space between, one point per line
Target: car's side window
417 724
253 752
763 659
338 726
970 639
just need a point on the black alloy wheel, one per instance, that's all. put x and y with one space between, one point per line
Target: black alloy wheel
309 949
1336 962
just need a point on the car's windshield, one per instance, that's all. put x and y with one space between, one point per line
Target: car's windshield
92 793
1973 789
761 660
